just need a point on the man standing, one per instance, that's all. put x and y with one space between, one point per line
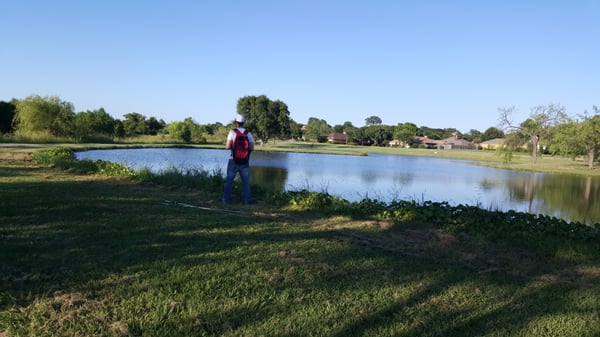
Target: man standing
241 144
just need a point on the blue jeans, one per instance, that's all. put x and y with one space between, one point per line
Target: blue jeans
234 168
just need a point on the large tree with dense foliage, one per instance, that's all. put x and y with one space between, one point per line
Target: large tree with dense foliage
295 129
81 127
589 134
135 124
316 128
93 123
579 138
492 133
44 115
378 134
473 136
7 114
437 133
155 125
406 133
188 131
539 124
265 118
373 120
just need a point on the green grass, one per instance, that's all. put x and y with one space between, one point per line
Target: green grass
90 255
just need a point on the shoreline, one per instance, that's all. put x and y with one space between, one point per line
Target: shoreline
521 161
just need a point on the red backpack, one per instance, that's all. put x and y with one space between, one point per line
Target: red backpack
241 147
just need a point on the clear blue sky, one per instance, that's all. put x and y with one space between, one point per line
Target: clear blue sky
439 63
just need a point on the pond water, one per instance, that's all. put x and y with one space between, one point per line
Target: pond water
388 178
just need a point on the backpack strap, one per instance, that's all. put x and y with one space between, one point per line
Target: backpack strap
238 132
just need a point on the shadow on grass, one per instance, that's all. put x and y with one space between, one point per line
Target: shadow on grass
160 270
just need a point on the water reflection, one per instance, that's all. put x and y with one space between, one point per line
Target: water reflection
389 177
269 178
567 197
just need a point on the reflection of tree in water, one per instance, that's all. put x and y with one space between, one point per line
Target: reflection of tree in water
403 179
397 186
576 198
488 185
368 176
270 178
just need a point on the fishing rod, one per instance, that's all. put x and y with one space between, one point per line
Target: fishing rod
211 209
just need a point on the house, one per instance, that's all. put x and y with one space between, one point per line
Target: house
455 143
337 138
395 143
492 144
427 142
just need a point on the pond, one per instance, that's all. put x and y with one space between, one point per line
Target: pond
388 178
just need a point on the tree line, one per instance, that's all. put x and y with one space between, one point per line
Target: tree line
268 119
548 129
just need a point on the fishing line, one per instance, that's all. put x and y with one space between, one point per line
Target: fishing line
218 210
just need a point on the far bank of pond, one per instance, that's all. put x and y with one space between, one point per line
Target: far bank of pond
390 177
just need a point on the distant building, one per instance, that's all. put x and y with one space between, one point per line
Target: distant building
427 142
456 143
337 138
395 143
492 144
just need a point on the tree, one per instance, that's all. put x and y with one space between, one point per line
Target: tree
432 133
188 131
406 133
512 142
135 124
43 115
565 141
92 123
281 112
579 138
541 119
351 133
119 130
373 120
265 118
473 136
295 130
180 131
378 134
343 128
214 127
491 133
589 134
316 128
359 136
155 125
102 122
81 127
7 114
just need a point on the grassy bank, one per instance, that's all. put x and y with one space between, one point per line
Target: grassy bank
93 255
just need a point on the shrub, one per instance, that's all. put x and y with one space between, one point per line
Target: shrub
65 158
53 156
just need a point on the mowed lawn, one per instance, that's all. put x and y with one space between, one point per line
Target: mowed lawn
84 255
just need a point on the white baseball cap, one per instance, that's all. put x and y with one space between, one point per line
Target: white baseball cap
240 119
